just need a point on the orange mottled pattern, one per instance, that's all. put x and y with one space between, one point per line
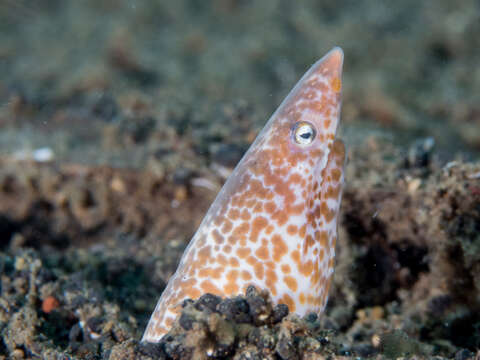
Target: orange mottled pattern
274 223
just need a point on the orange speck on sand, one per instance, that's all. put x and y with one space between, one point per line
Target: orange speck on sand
49 304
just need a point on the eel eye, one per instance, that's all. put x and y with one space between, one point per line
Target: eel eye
303 133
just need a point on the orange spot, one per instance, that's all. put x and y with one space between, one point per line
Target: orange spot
246 275
233 214
258 224
257 189
49 304
292 230
169 322
245 215
217 272
208 287
291 283
330 215
232 275
269 229
218 220
317 106
296 257
243 252
193 293
281 217
251 260
258 207
205 272
231 288
234 262
295 178
308 243
271 281
259 272
322 237
285 268
227 226
219 239
333 192
336 174
306 269
262 253
295 209
270 264
324 209
241 230
321 255
270 207
203 255
326 123
222 260
279 247
160 329
338 149
336 84
316 276
303 231
302 298
250 203
287 300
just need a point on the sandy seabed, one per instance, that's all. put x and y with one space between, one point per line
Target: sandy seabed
120 120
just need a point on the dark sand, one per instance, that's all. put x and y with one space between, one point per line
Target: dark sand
142 107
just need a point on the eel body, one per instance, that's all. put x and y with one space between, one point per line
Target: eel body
274 223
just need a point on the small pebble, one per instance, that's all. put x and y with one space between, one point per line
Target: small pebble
279 312
49 304
208 301
235 309
181 193
18 354
20 264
